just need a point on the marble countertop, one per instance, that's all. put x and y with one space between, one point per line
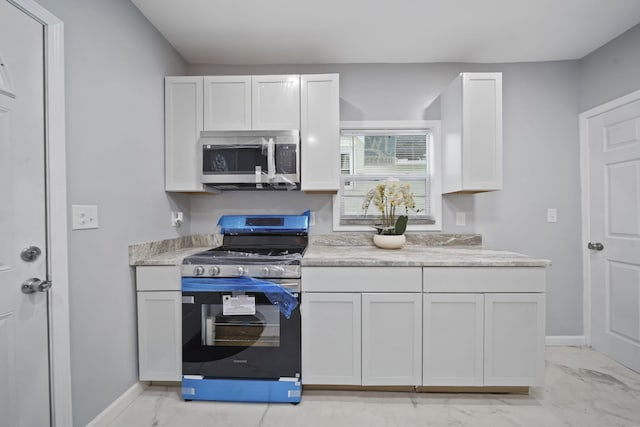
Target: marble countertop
416 256
421 250
171 251
355 249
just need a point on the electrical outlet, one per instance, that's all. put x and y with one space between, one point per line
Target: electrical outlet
461 218
552 215
312 218
84 217
177 219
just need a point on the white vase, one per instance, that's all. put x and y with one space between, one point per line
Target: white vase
385 241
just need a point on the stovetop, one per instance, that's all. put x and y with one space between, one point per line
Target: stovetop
268 246
262 263
226 255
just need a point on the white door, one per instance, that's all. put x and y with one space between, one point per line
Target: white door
453 347
514 339
24 371
275 102
614 208
331 336
227 103
391 339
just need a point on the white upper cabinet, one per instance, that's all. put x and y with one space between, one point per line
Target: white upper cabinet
227 102
320 132
252 102
472 133
183 124
275 102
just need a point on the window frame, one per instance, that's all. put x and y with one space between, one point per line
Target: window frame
433 126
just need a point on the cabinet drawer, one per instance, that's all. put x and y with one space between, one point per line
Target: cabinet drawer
484 279
158 278
361 279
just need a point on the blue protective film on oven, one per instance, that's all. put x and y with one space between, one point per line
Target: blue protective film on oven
277 295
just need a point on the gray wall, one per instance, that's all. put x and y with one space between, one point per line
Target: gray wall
611 71
541 168
115 64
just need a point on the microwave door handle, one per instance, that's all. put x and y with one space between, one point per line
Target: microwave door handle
271 160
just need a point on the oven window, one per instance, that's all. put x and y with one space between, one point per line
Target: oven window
261 329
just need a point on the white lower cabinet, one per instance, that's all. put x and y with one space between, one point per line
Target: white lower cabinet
331 336
159 335
361 338
514 339
362 325
453 340
159 323
476 334
391 339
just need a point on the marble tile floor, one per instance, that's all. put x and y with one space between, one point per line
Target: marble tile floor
582 388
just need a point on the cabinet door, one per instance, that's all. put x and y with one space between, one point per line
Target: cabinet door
331 338
482 131
472 133
183 124
453 340
227 102
275 102
320 132
159 336
514 339
391 339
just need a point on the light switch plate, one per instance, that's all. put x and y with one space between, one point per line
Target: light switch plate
552 215
84 217
461 218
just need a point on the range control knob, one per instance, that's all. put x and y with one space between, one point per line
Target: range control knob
240 271
265 271
214 271
198 271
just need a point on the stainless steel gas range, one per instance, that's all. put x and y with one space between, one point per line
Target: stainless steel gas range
241 312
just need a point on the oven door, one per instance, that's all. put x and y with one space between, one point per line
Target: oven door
216 343
250 157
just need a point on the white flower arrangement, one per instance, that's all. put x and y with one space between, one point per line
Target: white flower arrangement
388 196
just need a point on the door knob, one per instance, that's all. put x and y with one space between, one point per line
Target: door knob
595 246
32 285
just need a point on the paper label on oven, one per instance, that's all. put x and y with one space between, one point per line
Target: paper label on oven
239 304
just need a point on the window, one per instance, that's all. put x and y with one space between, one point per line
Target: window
371 152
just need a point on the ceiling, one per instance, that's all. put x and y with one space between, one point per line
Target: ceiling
248 32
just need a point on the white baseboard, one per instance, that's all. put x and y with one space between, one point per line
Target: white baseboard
569 340
112 411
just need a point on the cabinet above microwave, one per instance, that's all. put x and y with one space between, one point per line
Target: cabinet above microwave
251 102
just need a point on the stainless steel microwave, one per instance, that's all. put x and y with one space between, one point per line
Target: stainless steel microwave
250 159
